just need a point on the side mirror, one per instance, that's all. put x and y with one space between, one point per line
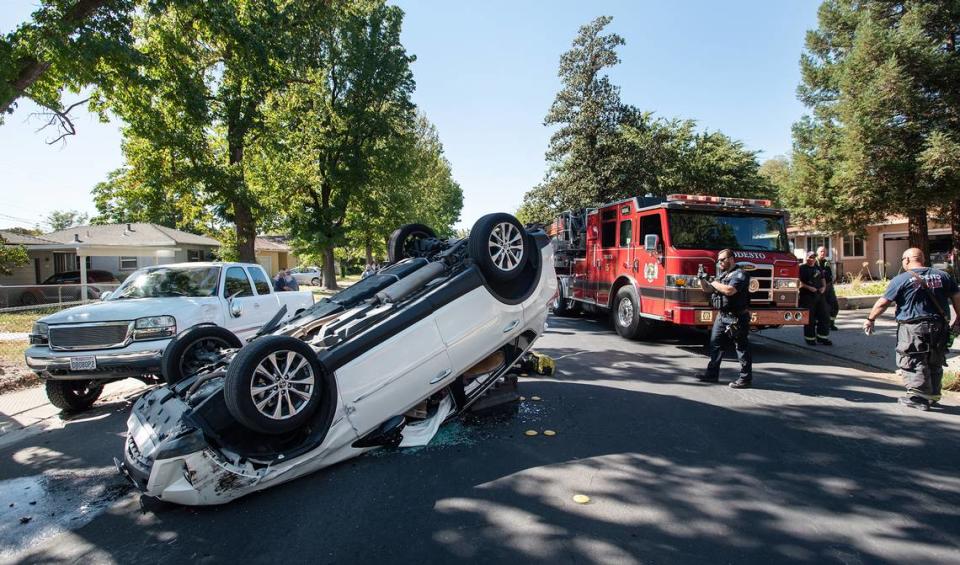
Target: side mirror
235 307
650 242
106 295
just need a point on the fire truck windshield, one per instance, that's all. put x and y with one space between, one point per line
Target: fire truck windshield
708 230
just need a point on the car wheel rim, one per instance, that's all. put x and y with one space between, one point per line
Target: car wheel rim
200 353
506 246
625 312
282 385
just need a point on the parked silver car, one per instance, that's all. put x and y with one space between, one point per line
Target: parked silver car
308 275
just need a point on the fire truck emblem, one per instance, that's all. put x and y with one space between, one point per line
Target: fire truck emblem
754 285
650 271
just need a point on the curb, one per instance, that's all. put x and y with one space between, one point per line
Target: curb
858 364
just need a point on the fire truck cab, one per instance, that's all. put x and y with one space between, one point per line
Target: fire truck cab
639 258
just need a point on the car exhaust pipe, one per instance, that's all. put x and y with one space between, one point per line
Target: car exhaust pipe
411 283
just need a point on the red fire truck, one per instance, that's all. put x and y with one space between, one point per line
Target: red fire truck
638 259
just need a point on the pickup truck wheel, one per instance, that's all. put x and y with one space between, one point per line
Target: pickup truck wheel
274 385
403 239
193 349
73 396
626 315
499 246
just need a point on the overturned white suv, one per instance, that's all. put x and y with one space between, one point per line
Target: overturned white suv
383 363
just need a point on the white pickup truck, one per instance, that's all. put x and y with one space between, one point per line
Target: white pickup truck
197 309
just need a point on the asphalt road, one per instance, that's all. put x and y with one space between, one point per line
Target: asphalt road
818 464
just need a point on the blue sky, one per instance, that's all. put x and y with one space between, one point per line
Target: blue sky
486 74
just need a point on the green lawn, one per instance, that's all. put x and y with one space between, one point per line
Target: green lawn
20 322
320 292
861 288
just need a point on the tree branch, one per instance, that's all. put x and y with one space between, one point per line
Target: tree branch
61 120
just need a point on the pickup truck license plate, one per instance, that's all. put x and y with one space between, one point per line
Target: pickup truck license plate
83 363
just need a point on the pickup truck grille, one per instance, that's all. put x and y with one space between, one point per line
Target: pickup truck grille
101 335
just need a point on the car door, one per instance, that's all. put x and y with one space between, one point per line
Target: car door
393 376
252 312
475 325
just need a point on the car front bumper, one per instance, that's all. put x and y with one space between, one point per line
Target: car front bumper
133 360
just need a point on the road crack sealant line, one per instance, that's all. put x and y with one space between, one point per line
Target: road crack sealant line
857 364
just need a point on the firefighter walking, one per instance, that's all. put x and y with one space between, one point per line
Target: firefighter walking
923 297
812 297
730 295
830 294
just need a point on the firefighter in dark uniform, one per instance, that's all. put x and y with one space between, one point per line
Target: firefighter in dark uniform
830 295
923 297
730 295
812 290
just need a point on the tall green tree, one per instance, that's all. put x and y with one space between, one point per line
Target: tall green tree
203 74
66 45
330 134
880 78
586 114
63 219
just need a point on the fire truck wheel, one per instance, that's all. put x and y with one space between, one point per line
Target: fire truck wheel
499 246
626 315
563 306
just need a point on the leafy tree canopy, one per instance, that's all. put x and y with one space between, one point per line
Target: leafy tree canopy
63 219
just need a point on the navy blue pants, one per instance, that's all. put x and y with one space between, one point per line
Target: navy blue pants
721 337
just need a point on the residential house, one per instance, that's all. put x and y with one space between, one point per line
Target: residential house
875 253
273 253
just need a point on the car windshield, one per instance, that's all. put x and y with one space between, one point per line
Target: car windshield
707 230
159 282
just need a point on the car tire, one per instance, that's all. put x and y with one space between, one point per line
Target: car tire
188 352
315 281
626 315
401 238
499 246
262 397
73 396
28 299
563 306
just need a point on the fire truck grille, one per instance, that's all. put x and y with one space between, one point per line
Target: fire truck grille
763 274
91 336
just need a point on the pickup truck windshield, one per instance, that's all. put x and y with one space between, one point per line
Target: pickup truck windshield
706 230
160 282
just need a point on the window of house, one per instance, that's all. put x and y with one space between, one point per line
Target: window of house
853 246
236 283
793 244
815 242
608 234
88 261
626 233
194 255
128 263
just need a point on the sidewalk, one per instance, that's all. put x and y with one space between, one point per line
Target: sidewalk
28 412
850 343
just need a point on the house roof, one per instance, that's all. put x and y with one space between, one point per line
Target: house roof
264 244
13 238
133 234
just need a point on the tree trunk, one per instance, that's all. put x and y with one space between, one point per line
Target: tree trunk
246 232
917 230
368 249
31 69
329 269
954 235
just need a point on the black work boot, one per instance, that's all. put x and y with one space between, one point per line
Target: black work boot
705 378
741 383
833 327
916 402
824 341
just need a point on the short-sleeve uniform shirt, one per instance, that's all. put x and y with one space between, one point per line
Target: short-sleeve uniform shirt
739 280
912 301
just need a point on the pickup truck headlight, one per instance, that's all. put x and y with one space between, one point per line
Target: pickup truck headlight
39 335
785 283
683 281
154 327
